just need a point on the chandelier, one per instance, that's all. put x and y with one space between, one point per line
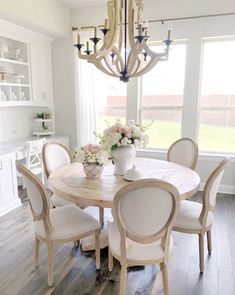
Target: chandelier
119 48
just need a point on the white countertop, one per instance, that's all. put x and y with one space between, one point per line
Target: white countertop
18 145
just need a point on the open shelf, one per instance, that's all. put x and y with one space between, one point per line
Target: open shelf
15 78
8 60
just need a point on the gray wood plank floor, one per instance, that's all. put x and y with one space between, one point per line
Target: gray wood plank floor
75 273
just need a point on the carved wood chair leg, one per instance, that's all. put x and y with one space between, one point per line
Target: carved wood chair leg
209 243
165 278
50 264
101 216
97 249
110 260
123 280
201 252
37 246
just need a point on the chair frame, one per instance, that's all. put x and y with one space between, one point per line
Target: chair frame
101 210
206 207
44 154
194 163
44 215
163 234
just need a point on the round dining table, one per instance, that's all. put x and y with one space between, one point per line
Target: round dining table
70 182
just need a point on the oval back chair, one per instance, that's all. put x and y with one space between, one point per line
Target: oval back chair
60 225
184 152
55 155
196 218
144 212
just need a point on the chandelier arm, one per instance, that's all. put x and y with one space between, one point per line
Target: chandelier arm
110 38
112 68
152 53
131 22
148 67
133 55
119 58
138 64
98 64
120 27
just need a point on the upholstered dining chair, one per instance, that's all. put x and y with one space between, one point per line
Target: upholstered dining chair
144 212
196 218
184 152
60 225
55 155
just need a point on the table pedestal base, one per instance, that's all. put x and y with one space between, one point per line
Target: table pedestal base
88 243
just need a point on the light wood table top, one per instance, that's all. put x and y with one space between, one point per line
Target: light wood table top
71 183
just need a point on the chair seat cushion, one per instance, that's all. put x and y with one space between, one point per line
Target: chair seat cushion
188 216
134 250
67 222
57 201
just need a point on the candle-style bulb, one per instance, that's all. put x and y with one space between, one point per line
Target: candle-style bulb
169 34
106 23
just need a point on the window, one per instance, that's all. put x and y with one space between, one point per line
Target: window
110 99
217 103
162 97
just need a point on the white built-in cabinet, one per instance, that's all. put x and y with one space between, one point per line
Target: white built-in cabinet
8 183
15 77
25 67
41 73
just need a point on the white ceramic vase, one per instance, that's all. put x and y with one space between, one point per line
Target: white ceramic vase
123 158
92 170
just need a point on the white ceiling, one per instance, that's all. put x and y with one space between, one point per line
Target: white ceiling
78 3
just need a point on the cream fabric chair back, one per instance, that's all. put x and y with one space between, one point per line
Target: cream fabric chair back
54 156
38 196
211 189
184 152
144 210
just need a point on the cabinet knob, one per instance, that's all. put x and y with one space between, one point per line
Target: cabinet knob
0 165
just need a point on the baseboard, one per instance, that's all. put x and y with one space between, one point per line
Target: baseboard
9 207
223 188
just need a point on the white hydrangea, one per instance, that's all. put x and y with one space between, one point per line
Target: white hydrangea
80 155
102 157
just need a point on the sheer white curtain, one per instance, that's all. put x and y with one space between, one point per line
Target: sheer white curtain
86 108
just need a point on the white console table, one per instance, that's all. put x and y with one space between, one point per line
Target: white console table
10 151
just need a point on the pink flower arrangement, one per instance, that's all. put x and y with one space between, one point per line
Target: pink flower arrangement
90 153
119 134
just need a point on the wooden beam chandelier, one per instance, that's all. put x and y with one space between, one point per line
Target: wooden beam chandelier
113 54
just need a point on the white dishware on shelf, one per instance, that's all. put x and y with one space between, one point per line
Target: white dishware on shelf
14 96
16 54
17 78
3 50
23 95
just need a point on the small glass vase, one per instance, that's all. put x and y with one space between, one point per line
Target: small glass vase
123 158
92 170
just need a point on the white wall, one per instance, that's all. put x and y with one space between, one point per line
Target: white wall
46 16
193 31
17 122
64 88
156 9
